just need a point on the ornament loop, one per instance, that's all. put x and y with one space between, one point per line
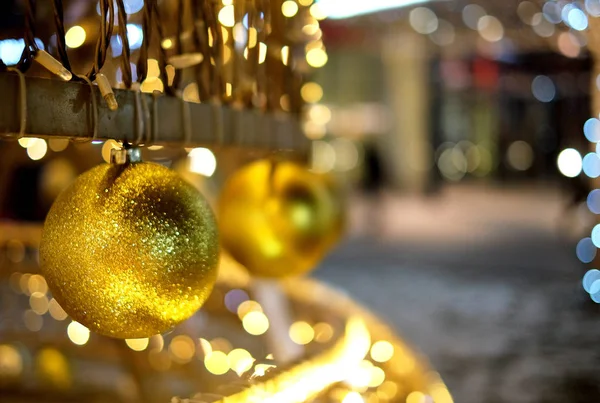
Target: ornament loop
94 112
22 106
142 118
126 154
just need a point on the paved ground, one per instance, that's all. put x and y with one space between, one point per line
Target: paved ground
485 282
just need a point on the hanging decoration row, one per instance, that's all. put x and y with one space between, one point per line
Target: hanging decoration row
231 72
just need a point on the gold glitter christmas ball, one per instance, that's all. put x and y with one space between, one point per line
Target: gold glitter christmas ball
130 250
278 219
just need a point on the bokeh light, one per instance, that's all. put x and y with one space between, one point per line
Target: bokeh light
202 161
471 15
586 250
301 333
591 165
78 333
137 344
75 36
255 323
519 155
569 162
227 16
490 28
382 351
423 20
596 235
217 363
543 89
593 201
289 8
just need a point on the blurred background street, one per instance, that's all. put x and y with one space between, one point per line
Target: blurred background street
485 282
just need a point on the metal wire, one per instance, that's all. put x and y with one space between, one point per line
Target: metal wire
61 44
142 63
126 52
29 37
107 18
162 54
200 39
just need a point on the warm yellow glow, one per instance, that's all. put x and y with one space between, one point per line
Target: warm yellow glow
153 69
152 84
107 147
53 368
311 92
156 148
227 2
387 390
182 348
289 8
228 89
382 351
37 283
315 131
240 360
284 101
205 346
319 114
75 37
305 3
316 57
301 333
323 332
221 344
261 369
167 43
311 377
56 310
137 344
227 16
18 248
217 363
58 145
11 362
202 161
317 12
262 52
285 54
255 323
78 333
311 29
38 150
377 377
360 375
248 306
252 37
27 142
39 303
415 397
226 54
353 397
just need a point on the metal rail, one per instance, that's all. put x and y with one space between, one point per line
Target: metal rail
58 109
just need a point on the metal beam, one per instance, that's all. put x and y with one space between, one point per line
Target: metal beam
58 109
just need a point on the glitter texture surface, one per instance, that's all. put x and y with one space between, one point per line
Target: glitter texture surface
130 250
